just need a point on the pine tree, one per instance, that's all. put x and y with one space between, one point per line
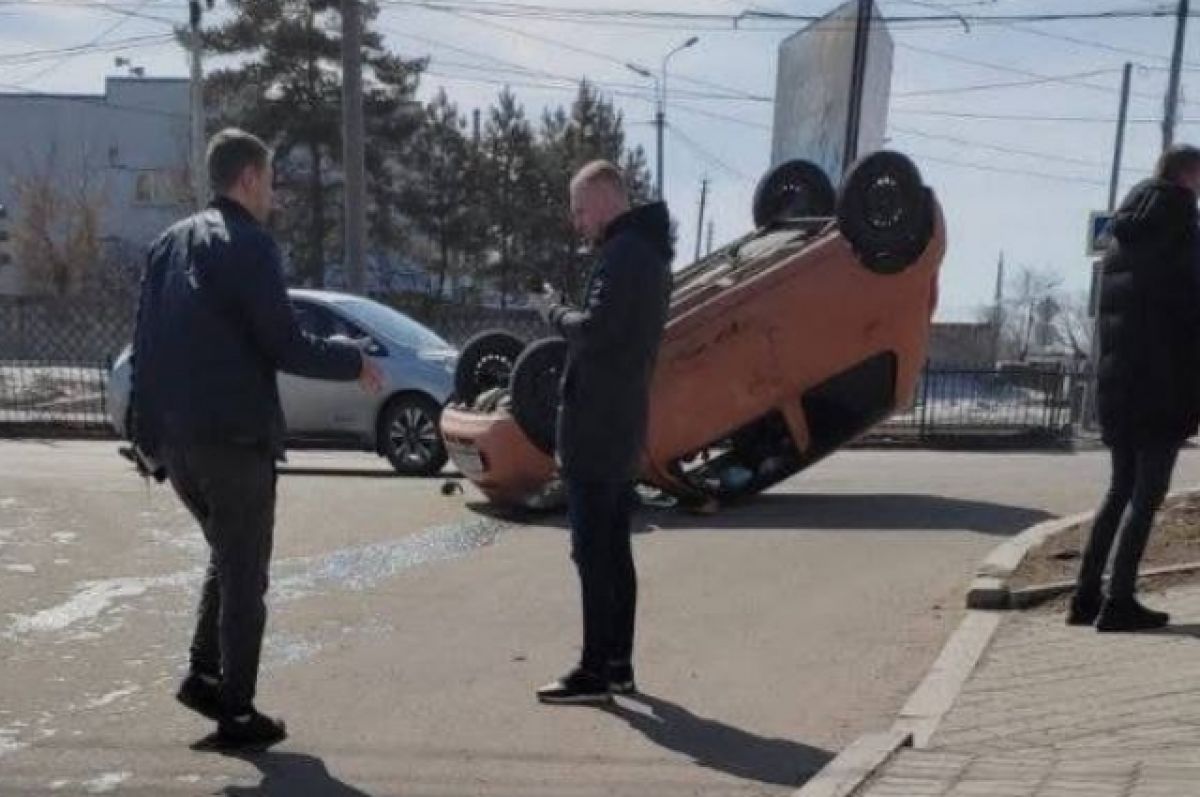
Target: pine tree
289 93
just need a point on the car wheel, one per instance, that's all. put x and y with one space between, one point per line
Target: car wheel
409 435
886 212
535 391
795 189
486 362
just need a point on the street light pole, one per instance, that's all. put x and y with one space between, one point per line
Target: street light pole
661 116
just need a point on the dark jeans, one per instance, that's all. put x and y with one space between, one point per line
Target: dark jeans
601 516
231 492
1141 476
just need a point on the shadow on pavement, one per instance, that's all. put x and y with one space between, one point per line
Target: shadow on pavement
900 512
714 745
355 473
1192 630
291 775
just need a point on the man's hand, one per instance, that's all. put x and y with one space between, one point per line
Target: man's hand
371 376
544 301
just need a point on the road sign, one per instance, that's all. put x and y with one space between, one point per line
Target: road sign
1099 234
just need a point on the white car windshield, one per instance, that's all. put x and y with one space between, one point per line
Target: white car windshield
393 325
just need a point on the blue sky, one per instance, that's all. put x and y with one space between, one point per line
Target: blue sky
1032 207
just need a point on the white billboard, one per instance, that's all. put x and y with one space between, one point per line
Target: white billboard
812 92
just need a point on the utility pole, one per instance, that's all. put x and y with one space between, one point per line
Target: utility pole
1120 144
712 229
700 223
352 144
1176 68
198 167
858 76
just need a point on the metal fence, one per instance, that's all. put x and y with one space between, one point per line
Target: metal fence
1019 406
1013 405
40 396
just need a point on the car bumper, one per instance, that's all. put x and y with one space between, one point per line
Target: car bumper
496 456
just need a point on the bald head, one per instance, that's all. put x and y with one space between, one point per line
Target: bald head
598 196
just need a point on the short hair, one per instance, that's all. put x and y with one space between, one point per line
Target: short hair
231 152
600 172
1177 161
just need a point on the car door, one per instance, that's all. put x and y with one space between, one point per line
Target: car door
301 410
324 407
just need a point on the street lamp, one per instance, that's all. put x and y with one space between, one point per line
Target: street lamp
660 92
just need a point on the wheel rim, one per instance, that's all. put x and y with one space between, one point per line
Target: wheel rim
493 371
414 437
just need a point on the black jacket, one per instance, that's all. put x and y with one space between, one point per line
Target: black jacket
613 344
1149 374
214 328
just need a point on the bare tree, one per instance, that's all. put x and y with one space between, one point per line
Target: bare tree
56 229
1076 326
1031 311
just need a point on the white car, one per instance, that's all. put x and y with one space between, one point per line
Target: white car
400 423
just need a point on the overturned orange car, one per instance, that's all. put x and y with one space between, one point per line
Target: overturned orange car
780 348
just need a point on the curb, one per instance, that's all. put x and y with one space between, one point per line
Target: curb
991 590
920 717
1028 597
852 767
923 712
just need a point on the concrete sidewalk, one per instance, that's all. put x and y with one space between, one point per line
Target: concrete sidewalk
1055 711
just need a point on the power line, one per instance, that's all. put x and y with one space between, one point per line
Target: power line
92 43
1013 70
1050 156
1062 178
1005 85
559 13
514 67
1000 117
593 53
707 155
1092 43
132 42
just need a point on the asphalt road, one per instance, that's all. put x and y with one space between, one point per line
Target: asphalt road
409 629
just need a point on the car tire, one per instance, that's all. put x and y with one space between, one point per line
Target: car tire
486 361
409 436
886 212
535 391
794 189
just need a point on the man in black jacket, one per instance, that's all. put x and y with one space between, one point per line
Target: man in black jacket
612 346
214 329
1149 380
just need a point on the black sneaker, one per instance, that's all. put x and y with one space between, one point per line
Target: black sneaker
579 687
201 696
620 679
1129 615
249 731
1083 610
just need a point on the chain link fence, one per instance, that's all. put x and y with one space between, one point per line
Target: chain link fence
55 356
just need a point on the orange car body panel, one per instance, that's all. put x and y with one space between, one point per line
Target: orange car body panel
737 346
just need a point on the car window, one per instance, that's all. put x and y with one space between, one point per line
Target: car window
393 324
346 327
313 319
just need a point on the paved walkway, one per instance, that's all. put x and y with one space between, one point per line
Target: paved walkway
1055 711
